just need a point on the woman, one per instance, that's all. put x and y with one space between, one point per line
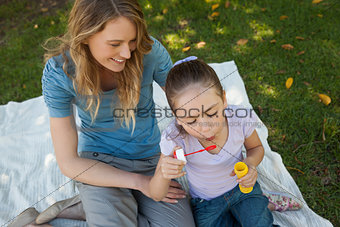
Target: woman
105 65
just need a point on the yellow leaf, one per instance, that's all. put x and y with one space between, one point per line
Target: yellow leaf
289 82
242 42
320 15
215 6
273 41
36 26
299 38
227 4
200 44
164 11
316 1
185 49
24 86
283 17
44 10
215 14
52 22
301 52
325 99
287 46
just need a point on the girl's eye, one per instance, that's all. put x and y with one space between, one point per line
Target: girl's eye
192 122
211 115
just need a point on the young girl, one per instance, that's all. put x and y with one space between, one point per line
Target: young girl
105 65
203 118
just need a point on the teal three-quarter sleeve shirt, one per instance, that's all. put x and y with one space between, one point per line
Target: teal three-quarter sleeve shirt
106 135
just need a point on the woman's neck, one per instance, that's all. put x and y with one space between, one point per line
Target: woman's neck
107 80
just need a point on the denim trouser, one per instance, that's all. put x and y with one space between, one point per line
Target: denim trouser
233 208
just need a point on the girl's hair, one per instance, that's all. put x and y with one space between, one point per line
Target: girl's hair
187 75
87 18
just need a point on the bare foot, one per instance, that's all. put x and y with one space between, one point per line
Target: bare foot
73 212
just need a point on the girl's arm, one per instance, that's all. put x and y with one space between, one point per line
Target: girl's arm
167 168
255 153
65 141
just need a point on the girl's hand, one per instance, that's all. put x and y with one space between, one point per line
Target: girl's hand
171 168
249 179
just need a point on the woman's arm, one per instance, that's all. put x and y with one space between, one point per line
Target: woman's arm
167 168
65 141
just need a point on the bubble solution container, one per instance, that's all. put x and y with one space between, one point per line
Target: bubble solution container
241 169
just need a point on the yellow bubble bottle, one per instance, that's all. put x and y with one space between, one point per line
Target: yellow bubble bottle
241 169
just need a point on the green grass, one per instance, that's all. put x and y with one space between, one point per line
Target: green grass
294 117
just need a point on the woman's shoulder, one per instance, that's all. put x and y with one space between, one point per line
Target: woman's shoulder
157 52
57 64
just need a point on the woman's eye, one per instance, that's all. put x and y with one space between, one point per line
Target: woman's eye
211 115
191 122
114 45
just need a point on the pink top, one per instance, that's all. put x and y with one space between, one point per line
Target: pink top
208 174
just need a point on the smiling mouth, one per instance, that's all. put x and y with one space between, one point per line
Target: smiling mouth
117 60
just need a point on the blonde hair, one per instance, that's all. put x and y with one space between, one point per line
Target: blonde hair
87 18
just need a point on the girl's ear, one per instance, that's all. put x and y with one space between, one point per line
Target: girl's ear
224 100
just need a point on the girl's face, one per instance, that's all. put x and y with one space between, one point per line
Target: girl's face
201 113
113 45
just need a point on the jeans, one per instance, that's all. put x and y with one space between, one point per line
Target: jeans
233 208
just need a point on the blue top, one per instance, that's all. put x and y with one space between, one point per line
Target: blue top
106 135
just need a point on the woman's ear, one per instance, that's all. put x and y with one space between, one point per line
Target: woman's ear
224 100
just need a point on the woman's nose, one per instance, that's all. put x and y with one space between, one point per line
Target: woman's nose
125 52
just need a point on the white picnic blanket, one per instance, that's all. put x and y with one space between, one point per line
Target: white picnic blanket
29 175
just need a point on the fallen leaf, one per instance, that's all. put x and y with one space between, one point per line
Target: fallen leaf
263 9
301 163
289 82
301 61
278 31
316 1
298 73
287 46
215 6
320 15
273 41
281 72
275 110
165 10
299 38
210 17
260 109
44 10
288 167
200 45
325 99
24 86
215 14
301 52
283 17
283 137
185 49
36 26
52 22
227 4
306 83
242 42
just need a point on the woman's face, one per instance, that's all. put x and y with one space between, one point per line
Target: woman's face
113 45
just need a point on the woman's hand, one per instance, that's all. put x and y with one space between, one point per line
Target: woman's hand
175 192
249 179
